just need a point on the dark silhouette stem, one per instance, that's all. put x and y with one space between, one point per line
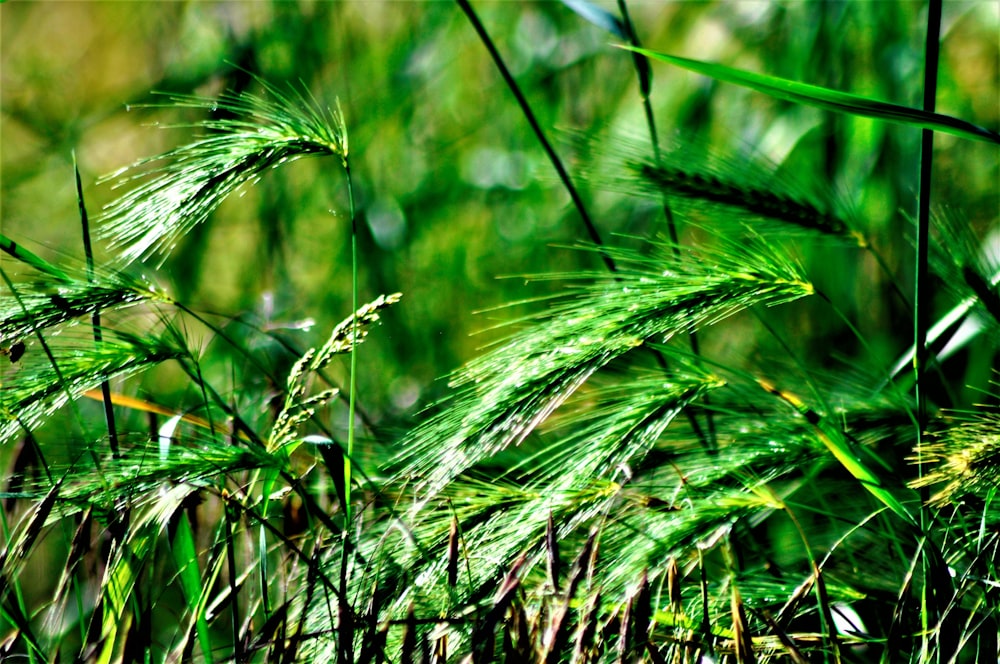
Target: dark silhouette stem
645 77
529 115
95 319
922 295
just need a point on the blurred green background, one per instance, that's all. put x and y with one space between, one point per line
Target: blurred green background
454 191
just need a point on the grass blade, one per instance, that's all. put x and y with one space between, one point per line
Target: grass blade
8 246
827 99
186 559
840 447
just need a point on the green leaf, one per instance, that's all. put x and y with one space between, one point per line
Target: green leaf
8 246
186 558
842 450
831 100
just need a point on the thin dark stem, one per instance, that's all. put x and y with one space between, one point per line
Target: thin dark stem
352 383
645 77
922 296
230 516
95 319
529 115
645 88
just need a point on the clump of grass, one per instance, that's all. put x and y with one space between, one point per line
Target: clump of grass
559 504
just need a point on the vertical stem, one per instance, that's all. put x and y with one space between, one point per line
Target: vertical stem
345 630
352 404
95 319
922 296
645 88
643 73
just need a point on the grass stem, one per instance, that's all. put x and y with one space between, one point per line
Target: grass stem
529 115
95 318
922 296
644 74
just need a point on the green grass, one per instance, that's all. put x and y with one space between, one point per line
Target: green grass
704 428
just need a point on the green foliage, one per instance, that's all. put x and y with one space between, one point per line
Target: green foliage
709 446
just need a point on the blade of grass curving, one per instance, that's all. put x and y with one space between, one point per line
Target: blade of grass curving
529 115
598 16
831 100
95 317
840 446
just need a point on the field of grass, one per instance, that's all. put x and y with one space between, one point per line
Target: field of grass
637 380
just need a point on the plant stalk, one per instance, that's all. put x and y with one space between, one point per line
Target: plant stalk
922 299
529 115
95 319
